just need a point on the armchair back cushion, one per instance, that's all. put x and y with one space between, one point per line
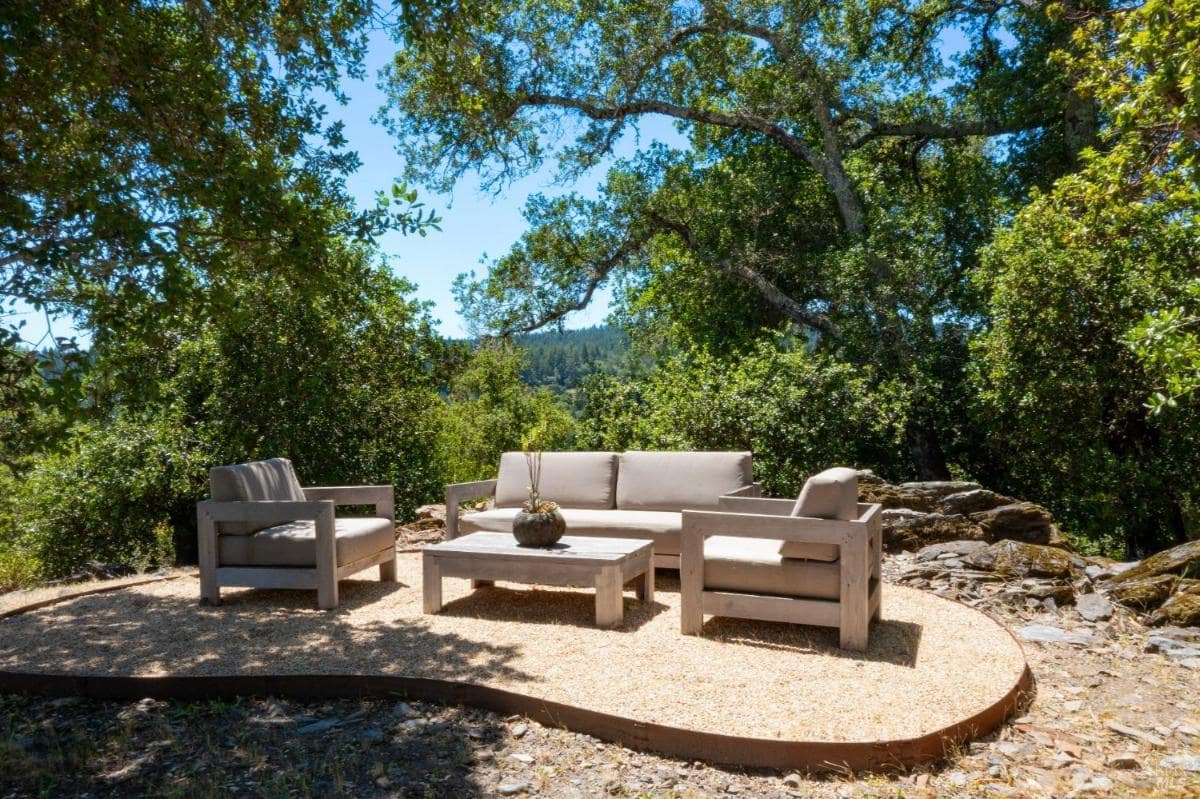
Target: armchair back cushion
672 481
572 479
258 480
832 494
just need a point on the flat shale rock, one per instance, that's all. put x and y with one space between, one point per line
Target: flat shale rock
905 529
1094 607
1182 560
959 548
1019 559
1020 521
973 501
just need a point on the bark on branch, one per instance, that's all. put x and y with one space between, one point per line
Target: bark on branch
770 293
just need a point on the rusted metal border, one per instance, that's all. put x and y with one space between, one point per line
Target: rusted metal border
805 756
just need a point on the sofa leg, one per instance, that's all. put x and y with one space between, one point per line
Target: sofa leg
387 570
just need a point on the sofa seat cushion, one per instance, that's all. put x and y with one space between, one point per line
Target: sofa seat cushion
295 543
673 481
258 480
660 527
755 566
572 479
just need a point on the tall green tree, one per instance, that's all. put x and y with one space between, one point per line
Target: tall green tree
152 147
804 198
1108 258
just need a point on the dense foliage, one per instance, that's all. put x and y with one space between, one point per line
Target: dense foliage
933 239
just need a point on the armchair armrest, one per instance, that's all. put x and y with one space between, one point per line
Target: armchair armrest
701 524
264 510
456 493
381 496
761 505
210 512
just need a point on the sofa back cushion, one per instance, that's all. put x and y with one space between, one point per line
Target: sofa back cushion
672 481
832 494
572 479
258 480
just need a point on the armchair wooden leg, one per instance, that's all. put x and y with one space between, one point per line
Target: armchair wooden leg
691 584
387 569
854 602
210 587
327 587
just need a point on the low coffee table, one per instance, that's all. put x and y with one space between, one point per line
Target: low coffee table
606 563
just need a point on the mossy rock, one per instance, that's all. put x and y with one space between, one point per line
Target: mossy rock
1019 559
1144 594
1180 610
1183 560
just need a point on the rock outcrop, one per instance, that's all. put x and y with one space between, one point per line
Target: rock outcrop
918 514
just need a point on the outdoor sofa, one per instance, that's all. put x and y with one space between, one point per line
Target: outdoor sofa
638 495
813 560
262 530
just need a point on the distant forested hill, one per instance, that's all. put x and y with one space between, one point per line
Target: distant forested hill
560 360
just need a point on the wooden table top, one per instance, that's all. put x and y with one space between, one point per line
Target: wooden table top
580 549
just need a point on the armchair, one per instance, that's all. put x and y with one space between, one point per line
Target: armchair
778 560
262 530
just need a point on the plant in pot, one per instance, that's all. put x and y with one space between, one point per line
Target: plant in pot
538 523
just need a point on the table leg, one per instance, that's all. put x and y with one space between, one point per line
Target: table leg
431 584
645 585
610 609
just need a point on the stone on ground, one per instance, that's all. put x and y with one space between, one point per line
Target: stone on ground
1094 607
1019 559
1020 521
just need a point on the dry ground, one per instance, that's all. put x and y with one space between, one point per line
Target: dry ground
1108 720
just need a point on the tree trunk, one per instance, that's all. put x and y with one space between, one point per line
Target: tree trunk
926 452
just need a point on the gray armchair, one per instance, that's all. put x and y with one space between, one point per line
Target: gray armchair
262 530
815 560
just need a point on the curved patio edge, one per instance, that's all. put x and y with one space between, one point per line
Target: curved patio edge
733 750
812 756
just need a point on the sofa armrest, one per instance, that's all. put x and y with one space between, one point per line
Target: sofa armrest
456 493
383 497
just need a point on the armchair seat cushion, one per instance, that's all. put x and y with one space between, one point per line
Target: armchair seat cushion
661 527
755 566
295 543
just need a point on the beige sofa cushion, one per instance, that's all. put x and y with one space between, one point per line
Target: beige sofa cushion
661 527
832 494
756 566
672 481
572 479
257 480
295 543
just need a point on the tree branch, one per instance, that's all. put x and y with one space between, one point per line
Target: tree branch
771 294
596 109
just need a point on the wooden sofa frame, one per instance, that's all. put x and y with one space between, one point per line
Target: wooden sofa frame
318 506
457 493
860 560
